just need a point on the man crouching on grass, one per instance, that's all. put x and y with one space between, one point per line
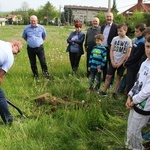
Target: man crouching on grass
7 49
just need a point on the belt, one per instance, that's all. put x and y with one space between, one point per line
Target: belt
35 47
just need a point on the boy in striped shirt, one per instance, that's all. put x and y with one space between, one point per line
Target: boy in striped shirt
96 62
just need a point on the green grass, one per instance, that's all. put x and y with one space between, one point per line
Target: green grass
100 125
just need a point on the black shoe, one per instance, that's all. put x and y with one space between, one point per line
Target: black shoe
46 75
9 120
115 96
35 76
103 93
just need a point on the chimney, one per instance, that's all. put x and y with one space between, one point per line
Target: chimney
140 1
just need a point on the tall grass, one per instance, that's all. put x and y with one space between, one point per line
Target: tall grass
100 124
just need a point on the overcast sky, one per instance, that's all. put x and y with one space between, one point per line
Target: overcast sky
12 5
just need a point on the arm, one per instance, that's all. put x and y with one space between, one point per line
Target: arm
85 44
112 56
81 39
140 50
143 94
125 57
129 102
25 39
2 74
69 41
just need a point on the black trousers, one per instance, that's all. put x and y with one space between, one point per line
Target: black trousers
87 60
105 68
130 79
39 52
74 60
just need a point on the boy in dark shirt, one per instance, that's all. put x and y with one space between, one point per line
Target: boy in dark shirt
133 62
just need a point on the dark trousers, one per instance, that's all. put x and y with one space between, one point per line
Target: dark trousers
130 79
105 68
97 75
39 52
4 111
74 60
87 60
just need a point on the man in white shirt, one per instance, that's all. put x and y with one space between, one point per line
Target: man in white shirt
7 50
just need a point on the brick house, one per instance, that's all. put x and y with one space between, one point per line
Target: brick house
140 6
14 19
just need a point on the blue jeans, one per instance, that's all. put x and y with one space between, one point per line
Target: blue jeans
97 75
4 111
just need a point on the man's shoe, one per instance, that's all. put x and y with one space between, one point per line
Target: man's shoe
103 93
115 96
46 75
9 120
96 91
89 91
35 76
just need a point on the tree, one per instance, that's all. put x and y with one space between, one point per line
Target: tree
68 15
135 19
114 7
147 18
24 9
101 16
47 13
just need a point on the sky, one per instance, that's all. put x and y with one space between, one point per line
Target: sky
12 5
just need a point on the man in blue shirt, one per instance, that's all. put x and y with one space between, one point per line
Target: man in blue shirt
35 35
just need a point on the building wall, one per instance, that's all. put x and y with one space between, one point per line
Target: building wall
84 15
2 23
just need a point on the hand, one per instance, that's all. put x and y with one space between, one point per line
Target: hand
86 49
129 103
89 69
114 64
99 70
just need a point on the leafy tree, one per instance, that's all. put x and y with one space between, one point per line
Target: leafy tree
47 13
119 18
101 16
62 18
114 7
147 18
135 19
68 15
24 8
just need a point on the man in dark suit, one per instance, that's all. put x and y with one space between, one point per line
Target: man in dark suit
109 30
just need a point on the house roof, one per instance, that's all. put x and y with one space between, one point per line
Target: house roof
2 19
86 8
140 6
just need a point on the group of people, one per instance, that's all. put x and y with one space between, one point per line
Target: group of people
109 50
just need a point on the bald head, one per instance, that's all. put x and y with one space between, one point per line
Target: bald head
33 20
109 17
95 22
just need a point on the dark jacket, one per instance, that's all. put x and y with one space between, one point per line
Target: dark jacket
138 50
90 37
113 32
79 41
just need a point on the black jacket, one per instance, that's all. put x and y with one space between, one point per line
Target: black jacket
113 32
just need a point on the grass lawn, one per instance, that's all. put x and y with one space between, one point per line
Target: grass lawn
94 123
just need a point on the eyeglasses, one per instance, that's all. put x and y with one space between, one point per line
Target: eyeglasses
17 48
